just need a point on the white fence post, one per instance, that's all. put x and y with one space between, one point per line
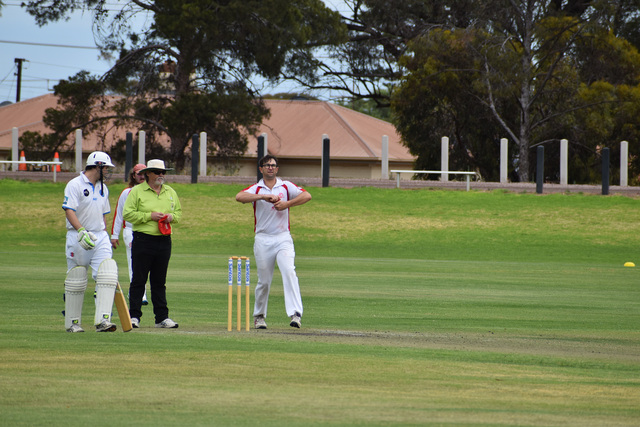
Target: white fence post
564 162
203 154
79 167
266 143
444 158
504 160
384 155
14 148
624 164
142 143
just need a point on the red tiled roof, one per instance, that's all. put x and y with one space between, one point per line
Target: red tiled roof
294 129
25 115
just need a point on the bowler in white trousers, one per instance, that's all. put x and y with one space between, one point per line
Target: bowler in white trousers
271 198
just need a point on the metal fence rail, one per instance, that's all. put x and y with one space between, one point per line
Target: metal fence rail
468 175
33 162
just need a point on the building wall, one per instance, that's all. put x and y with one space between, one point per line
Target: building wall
338 168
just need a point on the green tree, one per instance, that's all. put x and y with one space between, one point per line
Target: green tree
367 65
434 101
526 69
367 106
190 69
76 98
525 64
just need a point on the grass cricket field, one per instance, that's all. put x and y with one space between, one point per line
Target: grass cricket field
421 308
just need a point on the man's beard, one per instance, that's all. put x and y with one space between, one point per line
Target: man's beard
160 180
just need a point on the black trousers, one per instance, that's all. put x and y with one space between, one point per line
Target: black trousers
149 259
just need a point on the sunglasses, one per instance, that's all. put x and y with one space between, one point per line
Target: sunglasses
158 172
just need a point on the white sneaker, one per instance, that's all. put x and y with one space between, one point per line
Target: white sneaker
295 321
167 323
106 326
75 328
135 322
259 322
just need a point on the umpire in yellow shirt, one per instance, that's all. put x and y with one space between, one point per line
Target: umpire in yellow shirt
151 208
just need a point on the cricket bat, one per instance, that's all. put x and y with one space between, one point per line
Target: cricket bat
123 310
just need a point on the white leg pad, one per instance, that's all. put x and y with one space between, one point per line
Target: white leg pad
74 286
106 282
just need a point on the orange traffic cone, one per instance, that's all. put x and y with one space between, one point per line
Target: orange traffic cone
56 158
22 166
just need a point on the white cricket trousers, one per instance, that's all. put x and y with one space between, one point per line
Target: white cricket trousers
76 256
269 249
127 237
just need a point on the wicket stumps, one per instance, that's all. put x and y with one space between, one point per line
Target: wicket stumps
247 281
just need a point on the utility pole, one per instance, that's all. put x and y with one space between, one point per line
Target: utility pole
19 61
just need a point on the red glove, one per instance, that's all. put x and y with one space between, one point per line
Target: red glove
164 225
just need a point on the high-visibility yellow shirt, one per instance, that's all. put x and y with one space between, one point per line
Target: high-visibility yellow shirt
143 200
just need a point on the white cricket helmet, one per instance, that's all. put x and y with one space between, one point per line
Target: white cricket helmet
99 158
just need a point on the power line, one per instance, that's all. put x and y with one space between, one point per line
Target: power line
7 76
49 45
38 79
19 4
72 67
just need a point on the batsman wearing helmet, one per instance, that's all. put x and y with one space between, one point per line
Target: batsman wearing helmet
86 203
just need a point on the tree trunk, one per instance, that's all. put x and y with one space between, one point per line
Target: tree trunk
524 164
525 125
526 93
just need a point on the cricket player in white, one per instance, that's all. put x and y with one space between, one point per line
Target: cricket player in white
86 203
271 198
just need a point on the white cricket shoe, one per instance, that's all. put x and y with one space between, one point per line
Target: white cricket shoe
106 326
259 322
135 322
295 321
167 323
75 328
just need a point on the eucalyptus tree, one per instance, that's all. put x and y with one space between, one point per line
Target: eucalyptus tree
366 65
185 66
533 71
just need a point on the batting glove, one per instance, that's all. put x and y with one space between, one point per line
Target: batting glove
86 239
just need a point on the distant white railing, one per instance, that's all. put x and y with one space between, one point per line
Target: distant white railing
31 162
468 175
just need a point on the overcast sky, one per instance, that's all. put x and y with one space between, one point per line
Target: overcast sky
55 51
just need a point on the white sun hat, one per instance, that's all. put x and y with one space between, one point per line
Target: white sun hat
155 164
